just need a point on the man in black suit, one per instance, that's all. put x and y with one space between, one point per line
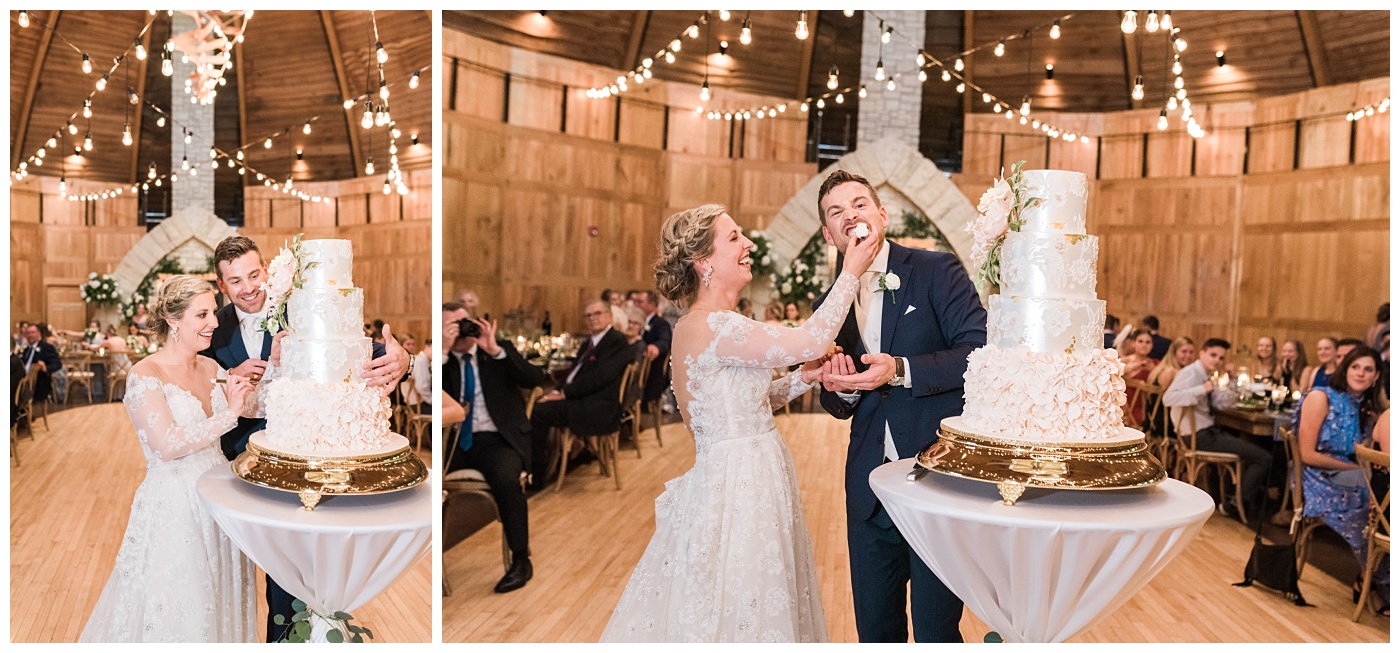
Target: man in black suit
1160 344
657 336
485 375
38 353
587 402
241 348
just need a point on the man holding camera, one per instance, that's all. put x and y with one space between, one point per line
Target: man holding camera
485 375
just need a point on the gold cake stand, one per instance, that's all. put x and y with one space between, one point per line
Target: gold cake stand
1013 466
312 477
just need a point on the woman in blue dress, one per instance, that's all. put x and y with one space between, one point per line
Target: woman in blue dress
1333 420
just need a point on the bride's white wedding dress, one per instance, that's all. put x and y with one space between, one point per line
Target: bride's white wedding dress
177 578
731 559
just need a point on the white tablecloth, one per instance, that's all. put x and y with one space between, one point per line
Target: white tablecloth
336 557
1053 564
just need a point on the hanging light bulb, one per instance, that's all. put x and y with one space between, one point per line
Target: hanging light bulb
831 79
1055 29
126 134
1000 49
996 108
986 97
1167 20
1009 115
1176 64
102 83
724 15
693 31
72 128
862 92
160 121
961 87
890 85
1025 105
367 120
746 34
267 144
1181 94
87 64
947 75
880 70
62 185
676 45
131 97
140 49
239 155
1129 24
705 91
958 65
87 109
189 137
1023 120
184 163
306 129
802 25
821 103
413 81
919 59
349 104
923 75
1171 103
848 12
23 18
1138 92
1179 83
1035 124
1151 24
379 53
387 188
53 141
803 107
1162 121
383 90
87 141
369 166
885 35
839 100
166 67
1180 43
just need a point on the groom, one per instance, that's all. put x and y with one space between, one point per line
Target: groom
914 322
239 347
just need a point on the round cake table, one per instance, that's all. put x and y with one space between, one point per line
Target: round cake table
335 558
1053 564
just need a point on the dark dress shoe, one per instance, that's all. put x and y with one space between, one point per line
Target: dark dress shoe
520 572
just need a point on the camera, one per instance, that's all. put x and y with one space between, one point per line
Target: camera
467 329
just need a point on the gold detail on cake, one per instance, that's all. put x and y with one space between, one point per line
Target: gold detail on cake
1072 341
1057 225
312 477
346 292
1075 238
1039 467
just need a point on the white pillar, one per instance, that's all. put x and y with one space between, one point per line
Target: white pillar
883 112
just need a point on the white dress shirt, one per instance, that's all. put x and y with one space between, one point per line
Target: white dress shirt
869 317
481 418
248 328
1188 391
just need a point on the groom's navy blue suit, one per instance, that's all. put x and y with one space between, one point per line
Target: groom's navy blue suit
227 348
934 321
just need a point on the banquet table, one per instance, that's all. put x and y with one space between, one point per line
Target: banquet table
1053 564
1262 423
336 557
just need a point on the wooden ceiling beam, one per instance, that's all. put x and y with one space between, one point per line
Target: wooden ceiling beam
1132 65
141 108
809 48
640 20
357 156
41 54
1312 45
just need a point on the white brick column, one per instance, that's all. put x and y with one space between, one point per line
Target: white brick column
192 193
885 113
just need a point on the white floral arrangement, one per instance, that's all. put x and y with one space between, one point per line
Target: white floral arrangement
1000 208
285 273
100 290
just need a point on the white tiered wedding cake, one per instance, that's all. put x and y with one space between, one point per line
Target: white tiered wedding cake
318 405
1044 376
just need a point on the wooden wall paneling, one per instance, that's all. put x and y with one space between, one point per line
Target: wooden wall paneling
1031 148
352 210
257 213
1121 157
111 245
26 271
982 156
535 104
418 204
642 124
641 174
776 139
64 307
1077 156
480 92
699 180
693 133
1222 150
1373 132
590 117
67 254
764 187
116 212
24 205
1169 154
286 212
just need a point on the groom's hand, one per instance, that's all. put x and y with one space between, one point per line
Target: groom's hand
384 372
251 369
839 365
880 370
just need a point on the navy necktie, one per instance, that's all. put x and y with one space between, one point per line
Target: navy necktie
464 436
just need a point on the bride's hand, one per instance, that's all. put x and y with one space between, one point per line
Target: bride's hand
237 390
812 369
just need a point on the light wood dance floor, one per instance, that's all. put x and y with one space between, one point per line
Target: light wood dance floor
586 539
69 503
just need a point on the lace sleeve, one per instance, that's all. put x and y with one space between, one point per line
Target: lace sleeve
744 342
786 388
149 411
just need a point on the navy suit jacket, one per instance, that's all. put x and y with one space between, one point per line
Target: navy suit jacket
658 333
227 349
934 321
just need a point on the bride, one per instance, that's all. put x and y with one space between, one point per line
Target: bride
731 559
177 578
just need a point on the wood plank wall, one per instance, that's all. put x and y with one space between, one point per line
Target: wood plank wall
550 196
1277 222
52 256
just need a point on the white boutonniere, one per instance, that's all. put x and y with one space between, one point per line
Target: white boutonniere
887 281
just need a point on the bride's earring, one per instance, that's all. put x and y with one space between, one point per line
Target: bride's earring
706 279
175 333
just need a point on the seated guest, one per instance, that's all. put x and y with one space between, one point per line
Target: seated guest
1319 375
1160 343
1137 365
587 402
773 314
636 324
485 376
1332 422
38 353
745 307
452 412
135 341
1179 355
792 315
1345 345
421 376
1373 334
467 298
1292 360
17 343
1110 330
1266 361
657 335
1192 390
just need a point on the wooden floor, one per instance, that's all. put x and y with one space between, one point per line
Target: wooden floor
69 503
586 539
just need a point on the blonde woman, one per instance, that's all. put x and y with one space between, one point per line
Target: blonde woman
177 577
1318 376
1266 361
1179 355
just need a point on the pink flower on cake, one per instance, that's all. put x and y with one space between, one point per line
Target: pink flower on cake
279 275
996 202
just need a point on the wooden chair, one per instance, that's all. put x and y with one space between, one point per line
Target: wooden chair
79 366
1300 527
1149 396
414 421
603 446
1191 461
654 406
116 374
24 402
632 403
1378 529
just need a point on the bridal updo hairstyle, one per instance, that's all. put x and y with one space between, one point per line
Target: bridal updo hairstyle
171 301
686 237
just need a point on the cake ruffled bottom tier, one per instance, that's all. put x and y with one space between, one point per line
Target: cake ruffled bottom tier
327 419
1045 397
